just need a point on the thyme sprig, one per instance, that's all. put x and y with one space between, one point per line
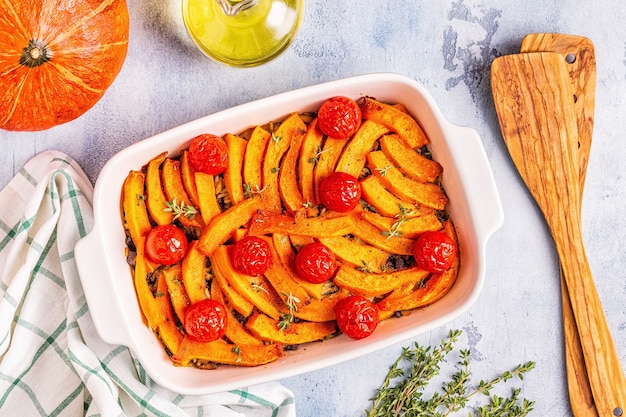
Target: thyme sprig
292 305
318 155
406 398
383 170
365 267
181 209
259 287
401 217
250 191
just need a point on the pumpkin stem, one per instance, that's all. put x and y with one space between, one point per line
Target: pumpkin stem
35 54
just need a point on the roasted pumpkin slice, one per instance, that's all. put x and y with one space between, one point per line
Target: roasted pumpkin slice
298 241
395 119
391 177
287 178
207 196
176 290
403 225
398 293
327 160
276 148
235 331
188 176
222 226
136 217
286 254
254 289
253 160
320 310
393 244
283 278
374 285
412 163
167 329
194 272
310 153
268 222
354 155
219 351
147 302
138 225
171 336
233 174
269 329
156 201
177 197
235 299
433 290
366 257
386 203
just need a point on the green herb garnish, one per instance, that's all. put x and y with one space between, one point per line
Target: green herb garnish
292 305
181 209
415 368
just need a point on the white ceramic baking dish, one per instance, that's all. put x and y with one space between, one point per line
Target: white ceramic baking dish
474 206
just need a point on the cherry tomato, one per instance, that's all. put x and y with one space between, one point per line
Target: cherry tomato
166 245
315 263
339 117
340 192
209 154
434 251
251 256
357 316
206 320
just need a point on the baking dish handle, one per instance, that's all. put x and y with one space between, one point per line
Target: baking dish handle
99 290
474 169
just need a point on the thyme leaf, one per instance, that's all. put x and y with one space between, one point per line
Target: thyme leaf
292 305
402 217
249 191
416 366
365 267
181 209
383 170
259 287
318 155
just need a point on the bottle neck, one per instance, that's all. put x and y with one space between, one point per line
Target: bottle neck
232 7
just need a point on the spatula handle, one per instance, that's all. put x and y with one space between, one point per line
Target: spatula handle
604 369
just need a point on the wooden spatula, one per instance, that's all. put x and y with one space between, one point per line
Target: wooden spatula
533 101
579 53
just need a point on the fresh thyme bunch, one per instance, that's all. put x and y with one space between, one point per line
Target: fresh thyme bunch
406 398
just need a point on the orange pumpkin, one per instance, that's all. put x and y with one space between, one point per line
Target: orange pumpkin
57 58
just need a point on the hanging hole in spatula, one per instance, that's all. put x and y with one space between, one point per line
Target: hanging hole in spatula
570 59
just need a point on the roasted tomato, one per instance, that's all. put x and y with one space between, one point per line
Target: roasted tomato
434 251
340 192
206 320
166 245
251 256
339 117
315 263
357 316
209 154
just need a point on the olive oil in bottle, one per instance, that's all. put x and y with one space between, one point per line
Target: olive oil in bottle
242 32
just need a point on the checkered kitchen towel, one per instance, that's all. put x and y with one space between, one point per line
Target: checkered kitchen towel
52 362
